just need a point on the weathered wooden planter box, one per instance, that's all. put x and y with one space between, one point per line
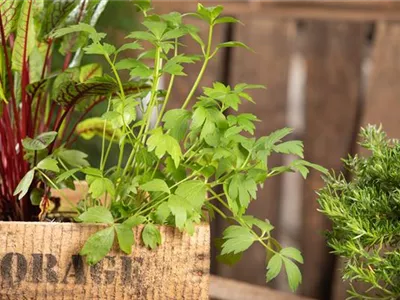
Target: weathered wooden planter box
41 261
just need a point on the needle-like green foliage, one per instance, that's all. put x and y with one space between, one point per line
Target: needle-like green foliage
365 213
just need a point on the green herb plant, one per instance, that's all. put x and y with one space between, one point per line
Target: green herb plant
186 163
365 214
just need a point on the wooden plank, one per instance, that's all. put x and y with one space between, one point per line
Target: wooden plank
227 289
333 53
271 41
350 10
47 265
383 90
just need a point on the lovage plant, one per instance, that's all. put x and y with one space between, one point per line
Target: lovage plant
186 163
36 97
365 216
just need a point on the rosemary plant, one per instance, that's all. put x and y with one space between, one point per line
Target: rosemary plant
365 214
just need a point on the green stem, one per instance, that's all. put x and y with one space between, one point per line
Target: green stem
102 166
217 210
147 115
203 69
103 140
121 88
171 83
153 99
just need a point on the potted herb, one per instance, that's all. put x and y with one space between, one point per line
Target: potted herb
182 166
364 211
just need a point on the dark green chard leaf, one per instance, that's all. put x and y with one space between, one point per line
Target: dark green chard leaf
9 15
25 40
56 12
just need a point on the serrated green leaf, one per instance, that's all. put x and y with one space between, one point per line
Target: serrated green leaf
65 175
125 237
23 186
278 135
293 273
173 34
130 46
228 259
290 147
163 143
156 185
92 172
49 164
81 27
98 245
264 226
224 20
100 49
274 267
134 221
233 44
242 189
240 87
97 214
176 205
151 236
142 35
143 5
73 158
99 186
292 253
177 121
193 191
156 27
162 213
236 239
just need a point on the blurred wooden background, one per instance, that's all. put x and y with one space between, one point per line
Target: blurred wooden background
330 67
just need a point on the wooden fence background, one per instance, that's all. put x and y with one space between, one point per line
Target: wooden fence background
330 67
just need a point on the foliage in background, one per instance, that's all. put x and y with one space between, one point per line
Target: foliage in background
34 86
179 159
365 214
